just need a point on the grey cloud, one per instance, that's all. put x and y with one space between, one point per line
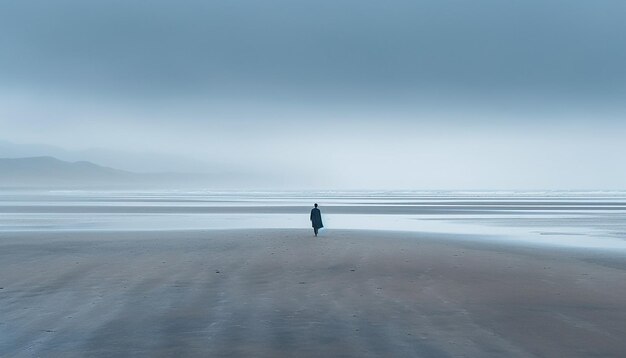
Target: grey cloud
403 93
149 47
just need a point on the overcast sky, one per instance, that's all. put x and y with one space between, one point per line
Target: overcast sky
327 94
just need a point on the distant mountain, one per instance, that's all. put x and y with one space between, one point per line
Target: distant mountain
43 165
49 171
143 162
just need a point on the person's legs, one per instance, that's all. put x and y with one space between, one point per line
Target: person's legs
315 231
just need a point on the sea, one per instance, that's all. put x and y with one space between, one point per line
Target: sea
581 219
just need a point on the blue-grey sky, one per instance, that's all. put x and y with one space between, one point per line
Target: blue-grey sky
333 94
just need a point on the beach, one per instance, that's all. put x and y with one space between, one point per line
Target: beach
272 293
166 168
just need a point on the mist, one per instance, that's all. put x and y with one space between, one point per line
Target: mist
324 95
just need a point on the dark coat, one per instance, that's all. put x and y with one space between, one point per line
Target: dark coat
316 218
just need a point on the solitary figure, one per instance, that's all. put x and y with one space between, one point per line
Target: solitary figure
316 219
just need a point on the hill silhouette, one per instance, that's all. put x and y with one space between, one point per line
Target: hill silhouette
44 171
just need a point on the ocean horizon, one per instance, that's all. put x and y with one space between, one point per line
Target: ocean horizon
586 219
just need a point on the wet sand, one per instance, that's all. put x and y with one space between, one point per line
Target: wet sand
274 293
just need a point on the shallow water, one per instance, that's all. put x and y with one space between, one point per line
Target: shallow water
576 219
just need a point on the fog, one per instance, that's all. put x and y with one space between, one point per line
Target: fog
325 94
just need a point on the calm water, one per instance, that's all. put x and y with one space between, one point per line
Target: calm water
582 219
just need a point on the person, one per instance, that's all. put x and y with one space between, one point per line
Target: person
316 219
